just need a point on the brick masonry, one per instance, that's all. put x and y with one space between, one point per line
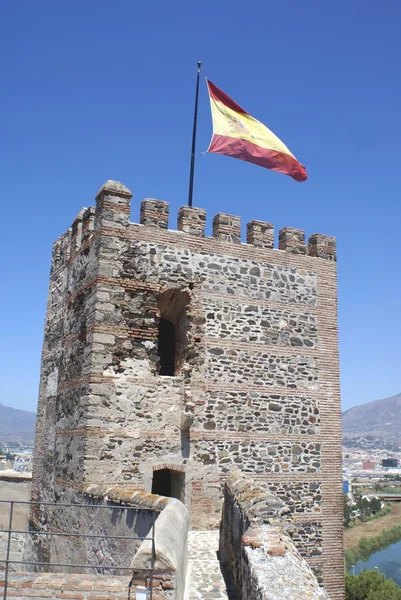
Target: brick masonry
257 376
53 586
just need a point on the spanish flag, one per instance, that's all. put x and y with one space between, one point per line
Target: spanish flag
237 134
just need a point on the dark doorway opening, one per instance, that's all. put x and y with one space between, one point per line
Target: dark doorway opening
173 328
167 482
166 347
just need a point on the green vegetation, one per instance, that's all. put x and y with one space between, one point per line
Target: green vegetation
368 509
390 489
351 557
368 546
371 585
347 512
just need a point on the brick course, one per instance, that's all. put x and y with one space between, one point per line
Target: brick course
53 586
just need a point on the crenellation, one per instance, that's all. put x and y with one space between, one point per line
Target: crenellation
113 206
154 213
76 230
61 251
88 223
260 233
292 240
192 220
323 246
227 228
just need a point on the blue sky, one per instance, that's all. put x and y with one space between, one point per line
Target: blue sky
97 90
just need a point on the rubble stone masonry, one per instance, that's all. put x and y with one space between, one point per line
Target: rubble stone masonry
256 374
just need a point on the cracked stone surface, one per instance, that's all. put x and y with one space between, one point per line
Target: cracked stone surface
205 579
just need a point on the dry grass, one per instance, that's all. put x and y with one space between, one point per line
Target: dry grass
372 528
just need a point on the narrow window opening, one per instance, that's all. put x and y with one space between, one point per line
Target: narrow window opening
167 482
166 347
172 334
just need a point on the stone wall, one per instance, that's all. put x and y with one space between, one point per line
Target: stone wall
133 515
256 545
256 380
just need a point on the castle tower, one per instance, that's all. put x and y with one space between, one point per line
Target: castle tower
170 357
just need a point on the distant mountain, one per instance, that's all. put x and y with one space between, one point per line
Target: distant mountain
380 419
16 425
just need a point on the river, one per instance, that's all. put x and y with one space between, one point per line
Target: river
388 561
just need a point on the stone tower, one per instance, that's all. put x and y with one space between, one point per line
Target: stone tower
170 357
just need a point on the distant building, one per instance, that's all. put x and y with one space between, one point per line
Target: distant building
23 463
390 463
368 465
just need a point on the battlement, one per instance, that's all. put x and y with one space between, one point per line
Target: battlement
113 211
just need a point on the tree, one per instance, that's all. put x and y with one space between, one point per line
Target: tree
371 585
375 505
347 511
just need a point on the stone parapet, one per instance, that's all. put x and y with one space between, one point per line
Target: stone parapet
171 535
256 546
113 212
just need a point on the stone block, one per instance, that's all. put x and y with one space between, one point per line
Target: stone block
154 213
260 233
323 246
88 223
292 240
192 220
227 228
112 205
76 230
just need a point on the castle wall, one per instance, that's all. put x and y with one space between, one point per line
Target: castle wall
256 545
257 386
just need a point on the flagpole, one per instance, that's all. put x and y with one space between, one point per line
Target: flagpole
191 174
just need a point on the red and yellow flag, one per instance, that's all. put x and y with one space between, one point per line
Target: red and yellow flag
237 134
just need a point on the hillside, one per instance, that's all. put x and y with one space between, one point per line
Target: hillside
380 418
16 425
